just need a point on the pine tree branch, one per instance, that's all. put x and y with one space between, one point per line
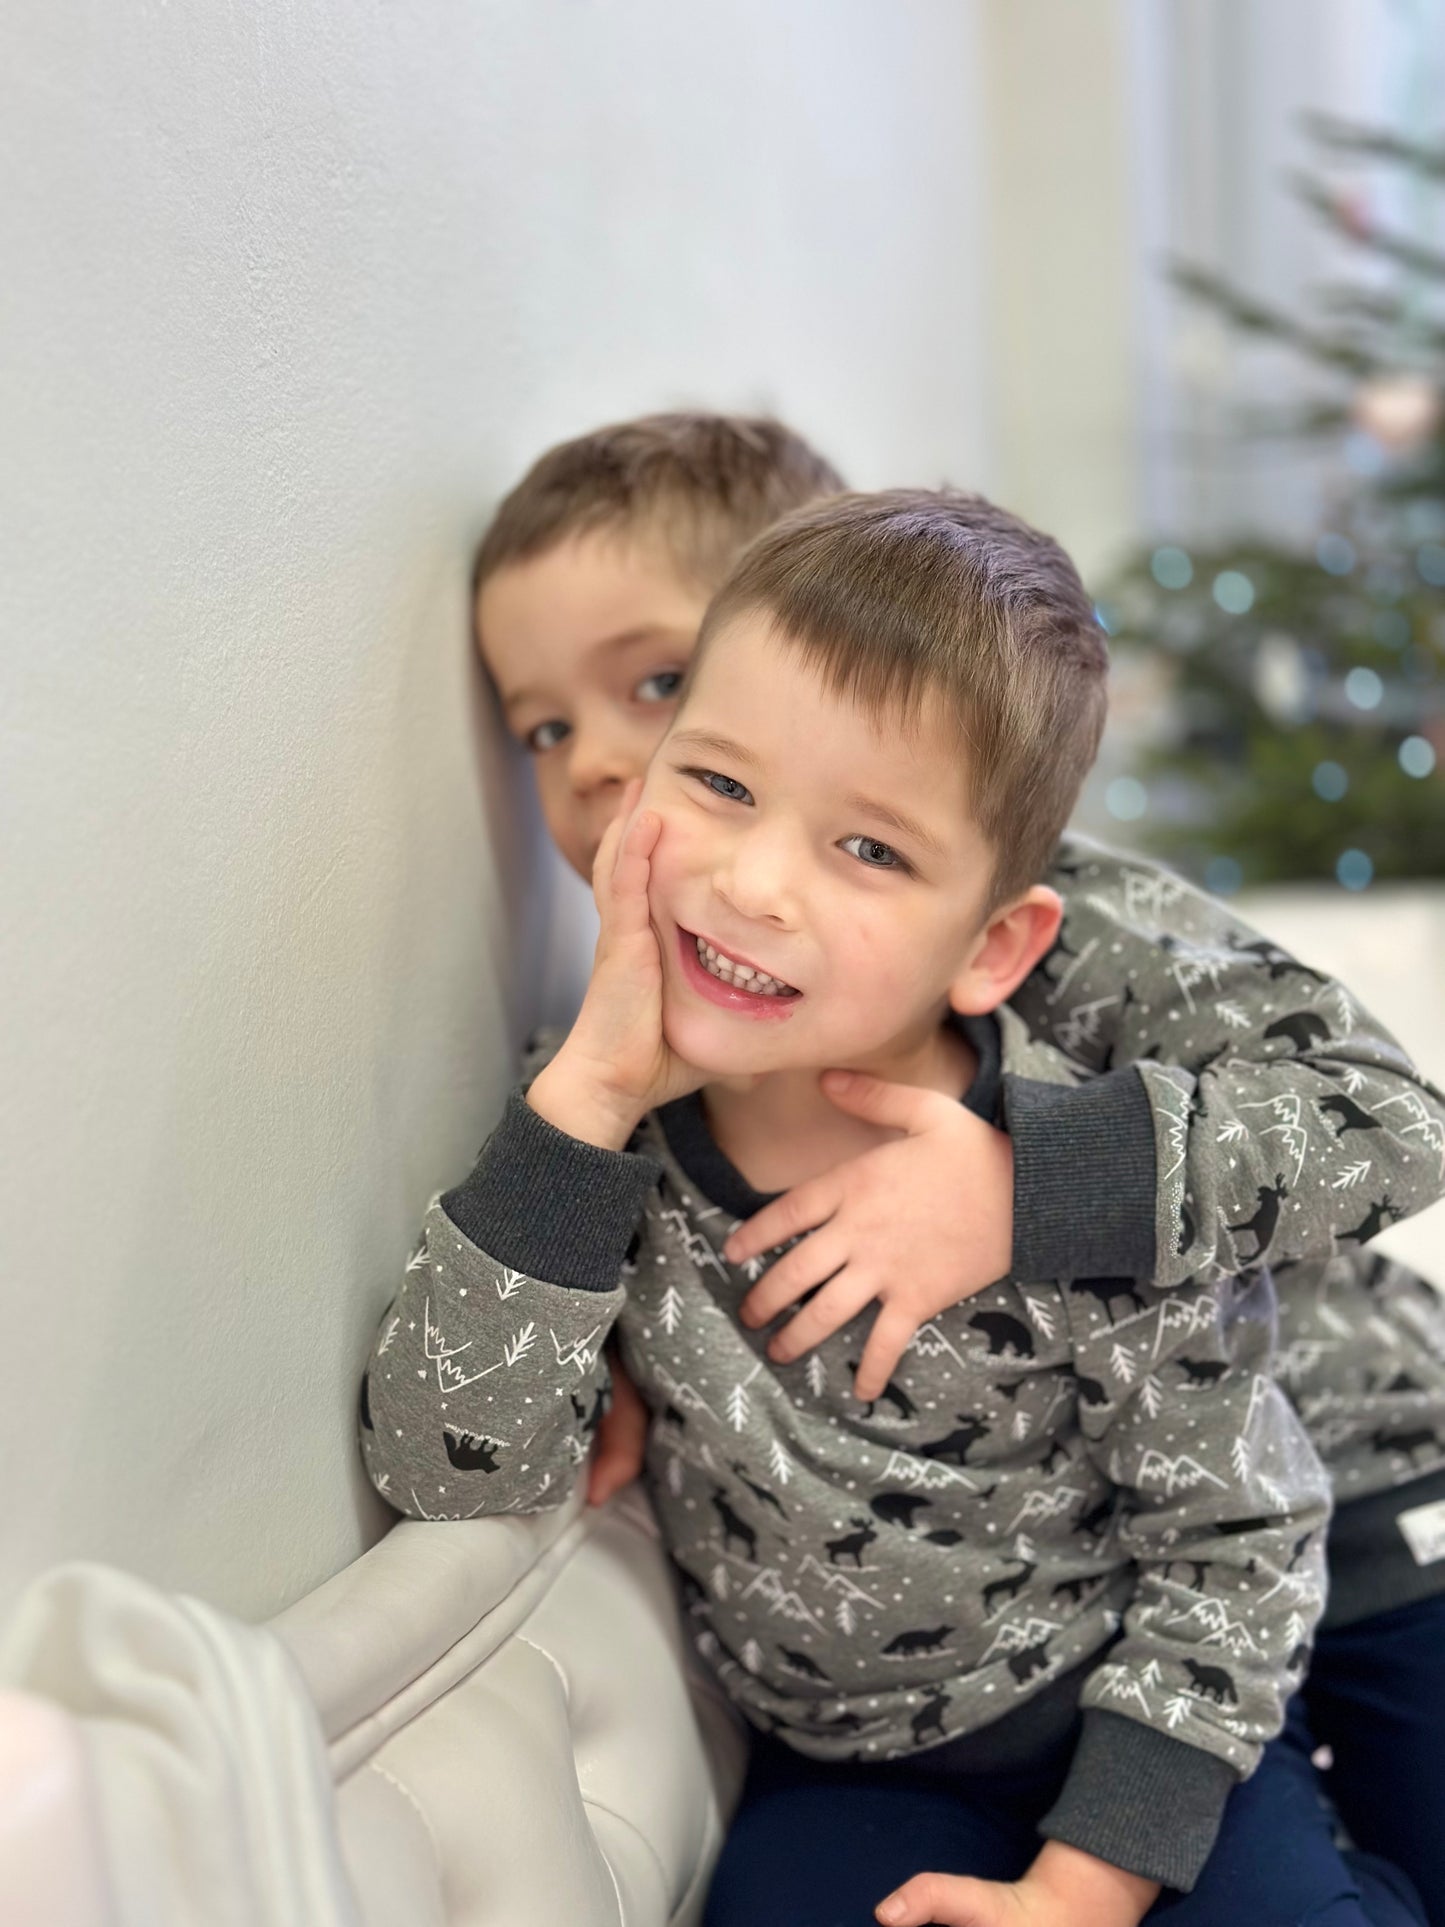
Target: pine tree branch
1350 137
1256 317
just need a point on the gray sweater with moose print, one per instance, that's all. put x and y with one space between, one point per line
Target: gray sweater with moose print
1242 1109
1082 1484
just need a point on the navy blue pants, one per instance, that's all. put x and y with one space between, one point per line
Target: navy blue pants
819 1845
1375 1696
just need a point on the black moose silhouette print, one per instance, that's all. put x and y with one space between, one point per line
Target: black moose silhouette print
852 1544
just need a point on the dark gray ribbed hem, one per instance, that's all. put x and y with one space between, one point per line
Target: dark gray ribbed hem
549 1205
1084 1177
1140 1800
1372 1569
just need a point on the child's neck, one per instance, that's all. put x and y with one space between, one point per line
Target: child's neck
780 1130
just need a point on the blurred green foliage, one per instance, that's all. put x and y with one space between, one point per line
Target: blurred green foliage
1306 713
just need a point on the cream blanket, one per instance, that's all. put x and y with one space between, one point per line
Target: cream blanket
161 1765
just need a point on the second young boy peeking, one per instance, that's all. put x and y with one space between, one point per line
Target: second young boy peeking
1074 1554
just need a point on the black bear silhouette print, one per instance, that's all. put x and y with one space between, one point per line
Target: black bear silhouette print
470 1452
1304 1029
1005 1334
898 1508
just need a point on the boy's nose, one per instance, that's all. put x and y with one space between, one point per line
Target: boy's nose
599 762
759 879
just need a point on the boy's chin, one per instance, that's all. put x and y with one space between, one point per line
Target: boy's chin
727 1049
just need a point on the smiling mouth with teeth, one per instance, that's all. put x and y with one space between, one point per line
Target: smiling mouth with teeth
741 976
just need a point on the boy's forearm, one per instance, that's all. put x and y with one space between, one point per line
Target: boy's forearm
486 1381
1252 1068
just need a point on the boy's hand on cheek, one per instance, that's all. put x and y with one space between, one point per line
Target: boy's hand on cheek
1065 1887
616 1064
918 1224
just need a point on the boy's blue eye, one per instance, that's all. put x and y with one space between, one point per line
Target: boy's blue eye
725 786
546 736
660 687
876 855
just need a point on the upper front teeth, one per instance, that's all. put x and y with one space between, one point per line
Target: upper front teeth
742 976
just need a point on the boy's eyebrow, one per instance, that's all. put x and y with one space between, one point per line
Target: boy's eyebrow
720 745
896 819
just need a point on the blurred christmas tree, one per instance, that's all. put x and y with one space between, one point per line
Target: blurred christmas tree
1305 735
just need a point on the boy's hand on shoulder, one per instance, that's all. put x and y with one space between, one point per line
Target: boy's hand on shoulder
616 1064
1065 1887
918 1224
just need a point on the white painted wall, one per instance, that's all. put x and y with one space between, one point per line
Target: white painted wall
290 293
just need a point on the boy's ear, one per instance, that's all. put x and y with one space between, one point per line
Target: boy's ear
1006 950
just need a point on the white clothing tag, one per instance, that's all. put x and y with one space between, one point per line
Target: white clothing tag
1424 1530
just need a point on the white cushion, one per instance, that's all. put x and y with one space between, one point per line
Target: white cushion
518 1732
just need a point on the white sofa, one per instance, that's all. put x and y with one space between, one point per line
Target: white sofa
517 1730
495 1723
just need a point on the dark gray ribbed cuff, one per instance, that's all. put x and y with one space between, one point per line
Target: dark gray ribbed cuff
1085 1178
1140 1800
549 1205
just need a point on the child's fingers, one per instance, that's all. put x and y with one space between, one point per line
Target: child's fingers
627 892
898 1107
605 859
840 1301
818 1257
802 1209
889 1339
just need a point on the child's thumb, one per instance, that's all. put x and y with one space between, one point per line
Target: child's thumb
941 1899
897 1107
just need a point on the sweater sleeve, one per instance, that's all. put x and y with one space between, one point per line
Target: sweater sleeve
1244 1109
1222 1509
486 1381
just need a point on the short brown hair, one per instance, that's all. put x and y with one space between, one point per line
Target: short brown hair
704 484
912 595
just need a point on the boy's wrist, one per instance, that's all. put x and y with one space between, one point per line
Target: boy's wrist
572 1099
1094 1890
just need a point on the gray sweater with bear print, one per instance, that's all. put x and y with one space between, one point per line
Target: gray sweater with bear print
1242 1109
1075 1487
